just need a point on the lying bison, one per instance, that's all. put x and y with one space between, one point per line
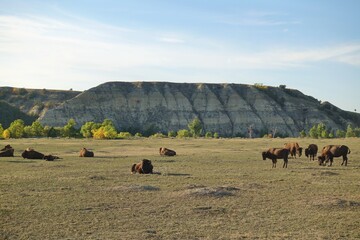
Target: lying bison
311 151
166 152
7 151
294 149
86 153
276 153
330 151
143 167
32 154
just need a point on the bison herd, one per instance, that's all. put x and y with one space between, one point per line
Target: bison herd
326 156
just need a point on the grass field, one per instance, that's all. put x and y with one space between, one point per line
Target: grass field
213 189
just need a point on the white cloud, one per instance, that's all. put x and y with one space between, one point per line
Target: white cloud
40 49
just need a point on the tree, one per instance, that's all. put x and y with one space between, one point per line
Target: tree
88 128
313 132
37 129
183 133
69 129
302 134
340 133
17 128
6 134
1 130
350 132
195 127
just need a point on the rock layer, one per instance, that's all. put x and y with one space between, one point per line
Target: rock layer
228 109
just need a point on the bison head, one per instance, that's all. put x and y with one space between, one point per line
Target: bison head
321 160
299 151
264 154
306 152
24 154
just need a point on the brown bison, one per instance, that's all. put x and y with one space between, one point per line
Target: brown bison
86 153
32 154
294 149
166 152
330 151
7 151
311 151
276 153
143 167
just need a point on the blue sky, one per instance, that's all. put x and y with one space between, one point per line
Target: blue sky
313 46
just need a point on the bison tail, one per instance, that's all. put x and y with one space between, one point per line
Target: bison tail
133 168
349 151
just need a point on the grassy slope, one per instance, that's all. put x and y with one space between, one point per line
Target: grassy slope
213 189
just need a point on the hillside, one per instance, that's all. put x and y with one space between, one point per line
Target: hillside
32 102
9 113
229 109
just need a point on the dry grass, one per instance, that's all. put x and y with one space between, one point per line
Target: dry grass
213 189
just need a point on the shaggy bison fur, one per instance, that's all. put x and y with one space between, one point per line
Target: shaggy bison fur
330 151
276 153
86 153
143 167
311 151
166 152
294 149
32 154
7 151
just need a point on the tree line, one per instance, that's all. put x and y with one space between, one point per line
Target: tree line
104 130
107 130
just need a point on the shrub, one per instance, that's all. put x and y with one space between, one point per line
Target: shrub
171 134
216 135
208 135
195 127
6 134
183 133
124 135
158 135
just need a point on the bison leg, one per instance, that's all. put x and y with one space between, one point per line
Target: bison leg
344 160
285 163
274 163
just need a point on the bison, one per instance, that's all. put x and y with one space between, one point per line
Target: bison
143 167
294 149
276 153
86 153
330 151
7 151
166 152
32 154
311 151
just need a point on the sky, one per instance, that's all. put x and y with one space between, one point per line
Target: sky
312 46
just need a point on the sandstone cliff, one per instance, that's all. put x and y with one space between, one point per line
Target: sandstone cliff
229 109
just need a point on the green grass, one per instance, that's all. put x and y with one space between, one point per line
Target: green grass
213 189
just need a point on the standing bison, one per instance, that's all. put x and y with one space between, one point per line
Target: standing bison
330 151
143 167
86 153
7 151
294 149
276 153
311 151
166 152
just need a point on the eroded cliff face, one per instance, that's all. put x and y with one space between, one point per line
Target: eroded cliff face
229 109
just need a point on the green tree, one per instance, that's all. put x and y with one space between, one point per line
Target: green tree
195 127
69 129
88 128
350 131
17 128
302 134
208 135
1 130
313 132
183 133
340 133
37 129
171 134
